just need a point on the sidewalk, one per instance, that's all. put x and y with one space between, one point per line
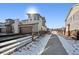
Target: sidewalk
54 47
34 48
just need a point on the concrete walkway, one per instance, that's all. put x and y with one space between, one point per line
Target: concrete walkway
54 47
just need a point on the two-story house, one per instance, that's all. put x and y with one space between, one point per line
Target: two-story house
12 26
38 21
72 22
34 23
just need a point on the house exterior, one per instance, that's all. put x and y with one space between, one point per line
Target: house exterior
12 26
34 24
15 26
72 22
38 22
24 28
2 28
59 31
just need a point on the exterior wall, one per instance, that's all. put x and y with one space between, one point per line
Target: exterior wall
73 18
12 26
73 21
40 24
8 25
2 28
15 26
8 29
35 27
34 19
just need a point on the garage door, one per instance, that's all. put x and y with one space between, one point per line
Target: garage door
26 30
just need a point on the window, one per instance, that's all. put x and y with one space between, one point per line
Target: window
28 16
75 16
35 17
41 28
30 19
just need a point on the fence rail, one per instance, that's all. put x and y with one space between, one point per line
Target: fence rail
10 46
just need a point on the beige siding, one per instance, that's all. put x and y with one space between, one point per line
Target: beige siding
73 19
33 19
35 28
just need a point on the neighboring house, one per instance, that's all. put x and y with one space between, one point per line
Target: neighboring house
59 30
38 22
15 26
35 23
72 22
23 21
2 28
12 26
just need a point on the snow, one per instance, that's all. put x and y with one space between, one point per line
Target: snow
34 48
15 45
71 46
13 41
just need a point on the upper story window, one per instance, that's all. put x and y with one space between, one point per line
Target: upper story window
28 16
35 18
76 16
30 19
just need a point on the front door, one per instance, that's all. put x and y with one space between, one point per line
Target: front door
68 29
0 29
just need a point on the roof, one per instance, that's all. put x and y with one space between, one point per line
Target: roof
33 14
27 24
74 9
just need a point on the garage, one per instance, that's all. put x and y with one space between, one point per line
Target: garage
25 29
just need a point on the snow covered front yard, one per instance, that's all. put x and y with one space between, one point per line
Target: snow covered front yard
71 46
34 48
